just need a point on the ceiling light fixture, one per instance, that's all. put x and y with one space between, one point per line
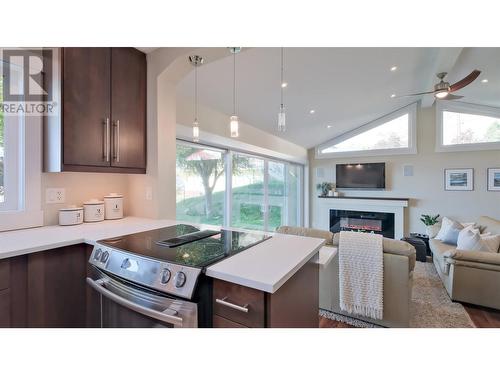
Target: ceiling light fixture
393 95
329 126
196 61
441 94
394 68
312 111
233 120
284 84
484 80
281 114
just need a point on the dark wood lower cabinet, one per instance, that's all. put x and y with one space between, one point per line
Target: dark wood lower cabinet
294 305
45 289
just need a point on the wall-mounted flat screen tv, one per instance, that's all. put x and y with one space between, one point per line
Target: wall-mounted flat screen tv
361 176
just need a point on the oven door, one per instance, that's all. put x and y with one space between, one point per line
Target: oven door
120 305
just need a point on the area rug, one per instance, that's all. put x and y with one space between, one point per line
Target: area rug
431 306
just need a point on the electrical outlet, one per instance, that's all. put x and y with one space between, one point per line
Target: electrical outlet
55 195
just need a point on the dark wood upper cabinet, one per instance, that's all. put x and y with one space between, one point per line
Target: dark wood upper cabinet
102 125
128 104
86 106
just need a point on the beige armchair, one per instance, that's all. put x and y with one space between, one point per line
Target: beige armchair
399 262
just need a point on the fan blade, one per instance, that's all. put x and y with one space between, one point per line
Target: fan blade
465 81
451 97
420 93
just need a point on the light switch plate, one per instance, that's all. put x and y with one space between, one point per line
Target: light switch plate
149 193
55 195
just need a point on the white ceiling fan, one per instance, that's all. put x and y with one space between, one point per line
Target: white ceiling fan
443 90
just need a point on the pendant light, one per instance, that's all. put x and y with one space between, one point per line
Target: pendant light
196 61
281 114
233 121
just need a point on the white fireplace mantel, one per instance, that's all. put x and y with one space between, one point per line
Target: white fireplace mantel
321 219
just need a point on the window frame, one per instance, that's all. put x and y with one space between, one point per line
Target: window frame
465 108
410 109
28 212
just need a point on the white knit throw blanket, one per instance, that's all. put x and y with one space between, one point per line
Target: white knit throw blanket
361 274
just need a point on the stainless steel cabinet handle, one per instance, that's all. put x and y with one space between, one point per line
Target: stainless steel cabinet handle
232 305
105 143
117 140
98 285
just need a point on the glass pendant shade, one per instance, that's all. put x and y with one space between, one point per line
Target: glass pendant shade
196 132
234 125
282 120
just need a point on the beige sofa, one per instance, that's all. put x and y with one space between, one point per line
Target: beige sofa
399 262
470 276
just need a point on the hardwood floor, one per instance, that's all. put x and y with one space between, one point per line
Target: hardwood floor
482 317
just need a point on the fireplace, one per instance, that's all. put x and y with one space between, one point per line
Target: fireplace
362 221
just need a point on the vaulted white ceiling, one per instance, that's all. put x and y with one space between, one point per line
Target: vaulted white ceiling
346 87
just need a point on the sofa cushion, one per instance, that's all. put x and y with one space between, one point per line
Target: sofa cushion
450 237
488 224
307 232
469 240
392 246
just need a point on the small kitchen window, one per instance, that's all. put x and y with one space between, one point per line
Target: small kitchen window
20 159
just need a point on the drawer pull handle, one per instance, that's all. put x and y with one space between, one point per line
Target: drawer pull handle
224 302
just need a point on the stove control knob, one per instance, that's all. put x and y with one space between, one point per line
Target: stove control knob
104 257
180 279
97 254
165 276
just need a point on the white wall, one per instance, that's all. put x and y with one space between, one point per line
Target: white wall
81 187
215 122
426 187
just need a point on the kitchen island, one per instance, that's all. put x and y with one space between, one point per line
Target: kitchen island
269 269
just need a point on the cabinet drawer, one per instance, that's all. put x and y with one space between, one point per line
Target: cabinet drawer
220 322
4 274
239 304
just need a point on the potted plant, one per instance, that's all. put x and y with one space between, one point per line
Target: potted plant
431 224
325 187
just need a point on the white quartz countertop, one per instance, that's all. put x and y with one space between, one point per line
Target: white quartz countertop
266 266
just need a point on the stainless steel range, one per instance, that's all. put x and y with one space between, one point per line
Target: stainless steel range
156 278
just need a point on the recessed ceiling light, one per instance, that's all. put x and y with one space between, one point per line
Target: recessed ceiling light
312 111
393 95
394 68
484 81
329 126
284 84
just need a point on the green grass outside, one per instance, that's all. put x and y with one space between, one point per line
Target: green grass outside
246 209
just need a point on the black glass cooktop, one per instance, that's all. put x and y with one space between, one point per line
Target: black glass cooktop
198 253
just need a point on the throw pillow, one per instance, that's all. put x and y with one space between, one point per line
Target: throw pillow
469 241
445 225
490 243
451 235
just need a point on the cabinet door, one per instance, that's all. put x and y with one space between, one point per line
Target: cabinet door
128 105
86 106
57 288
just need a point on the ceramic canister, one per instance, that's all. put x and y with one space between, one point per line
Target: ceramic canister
113 206
93 210
71 215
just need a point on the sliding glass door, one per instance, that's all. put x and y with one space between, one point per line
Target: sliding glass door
262 193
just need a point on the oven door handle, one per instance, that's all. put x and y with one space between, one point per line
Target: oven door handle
98 285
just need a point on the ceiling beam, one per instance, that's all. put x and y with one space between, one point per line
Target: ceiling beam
445 60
